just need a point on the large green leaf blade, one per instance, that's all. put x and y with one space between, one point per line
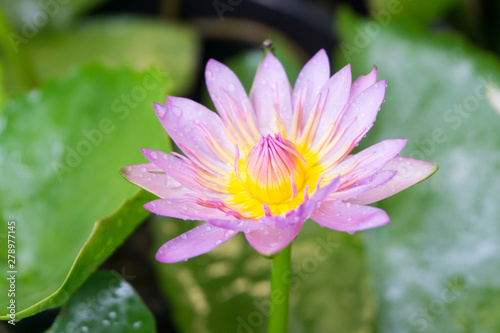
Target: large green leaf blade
61 150
436 264
104 303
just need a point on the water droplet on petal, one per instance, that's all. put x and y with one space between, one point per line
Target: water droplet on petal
208 74
143 169
208 228
273 244
230 87
184 236
263 81
349 219
154 155
348 204
218 242
177 112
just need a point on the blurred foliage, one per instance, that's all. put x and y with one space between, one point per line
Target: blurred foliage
104 303
28 16
115 42
416 13
436 264
63 176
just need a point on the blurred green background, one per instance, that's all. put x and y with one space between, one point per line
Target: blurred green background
78 80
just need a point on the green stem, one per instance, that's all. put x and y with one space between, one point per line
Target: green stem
10 44
280 290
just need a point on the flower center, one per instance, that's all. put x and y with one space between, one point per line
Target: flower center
275 170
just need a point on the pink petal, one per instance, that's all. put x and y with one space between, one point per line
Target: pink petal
238 225
409 172
359 116
184 119
152 178
196 241
362 83
183 209
363 186
311 79
349 217
336 91
180 171
270 90
373 159
270 240
222 82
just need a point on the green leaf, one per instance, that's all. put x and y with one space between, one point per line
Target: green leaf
138 42
104 303
438 258
61 150
31 16
227 289
418 13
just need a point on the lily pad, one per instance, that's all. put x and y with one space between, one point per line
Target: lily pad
61 148
436 264
104 303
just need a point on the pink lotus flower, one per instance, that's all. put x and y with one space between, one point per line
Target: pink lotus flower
270 161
